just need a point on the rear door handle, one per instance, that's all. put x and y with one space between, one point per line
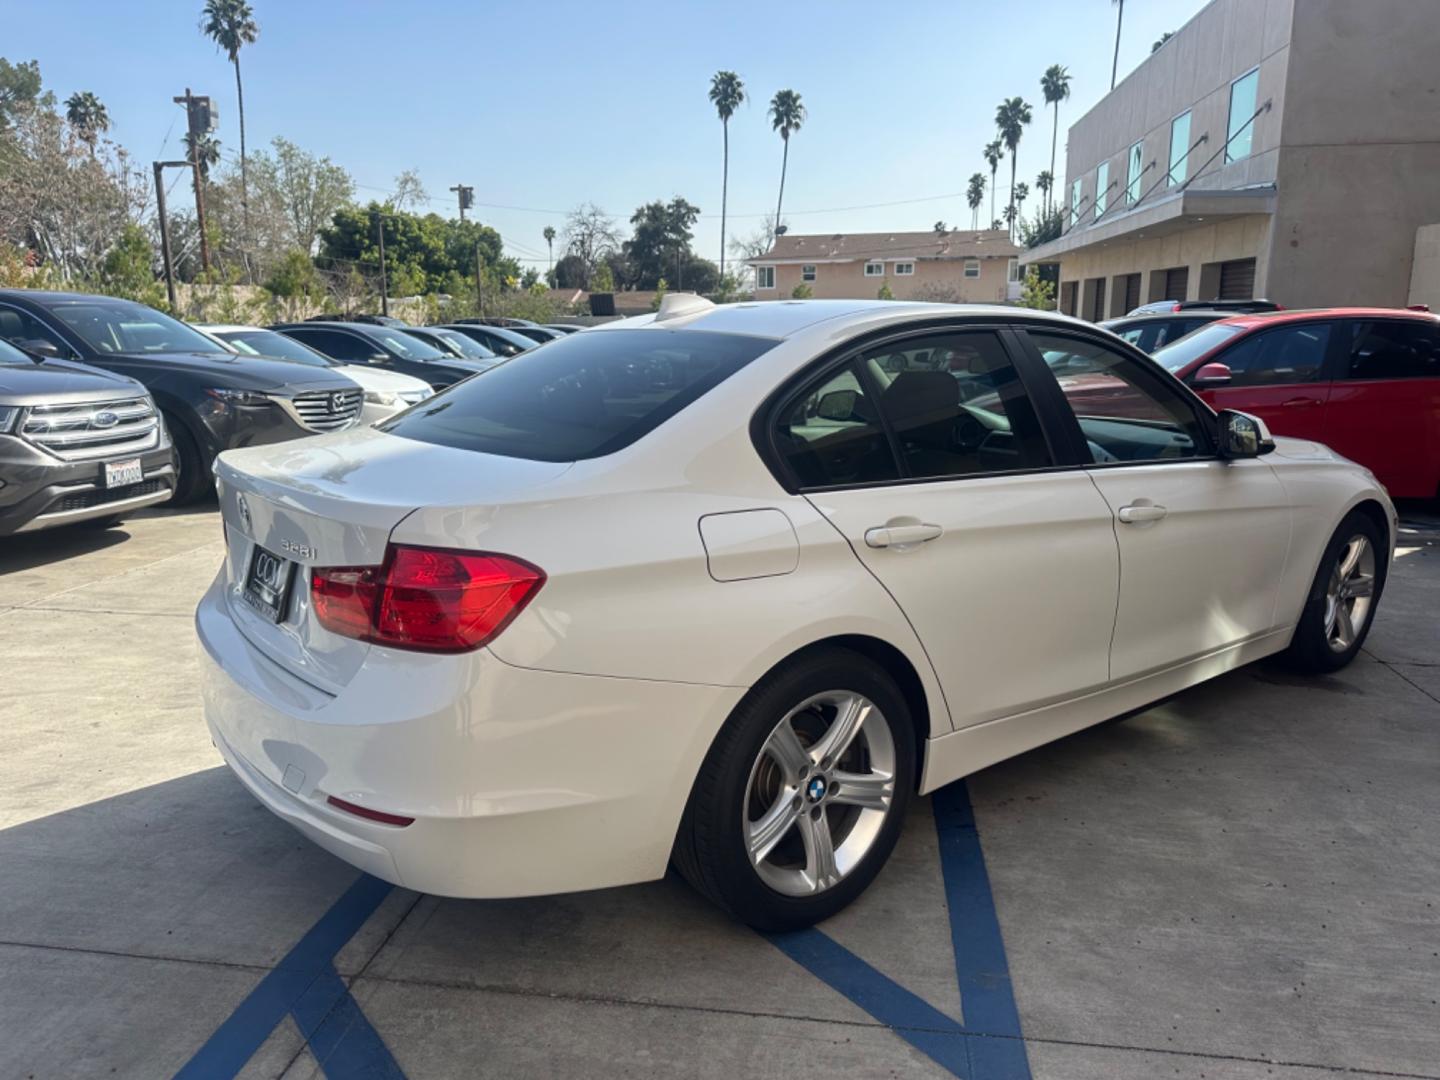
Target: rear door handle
1137 513
900 535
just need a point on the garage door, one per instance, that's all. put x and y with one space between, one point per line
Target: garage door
1132 293
1177 283
1237 280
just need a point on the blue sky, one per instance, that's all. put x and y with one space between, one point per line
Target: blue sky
544 106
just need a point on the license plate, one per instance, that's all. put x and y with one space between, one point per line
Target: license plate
267 583
121 473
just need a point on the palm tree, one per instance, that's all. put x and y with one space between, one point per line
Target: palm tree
88 116
204 152
974 196
1011 116
1119 18
727 93
1022 192
1166 36
549 235
231 25
1043 183
786 116
994 151
1055 85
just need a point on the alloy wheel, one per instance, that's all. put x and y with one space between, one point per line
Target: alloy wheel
1350 593
819 792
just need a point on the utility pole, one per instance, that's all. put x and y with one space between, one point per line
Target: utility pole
164 231
200 121
466 196
384 285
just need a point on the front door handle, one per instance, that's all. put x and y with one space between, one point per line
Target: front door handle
1141 512
1296 402
899 536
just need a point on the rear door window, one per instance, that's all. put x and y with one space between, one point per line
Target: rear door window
1394 350
349 348
582 397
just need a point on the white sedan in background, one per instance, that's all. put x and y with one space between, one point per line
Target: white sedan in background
386 392
731 585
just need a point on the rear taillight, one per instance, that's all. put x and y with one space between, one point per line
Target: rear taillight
425 598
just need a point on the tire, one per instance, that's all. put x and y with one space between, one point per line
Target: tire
192 475
1340 607
792 796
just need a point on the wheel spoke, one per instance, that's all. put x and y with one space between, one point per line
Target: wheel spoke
850 717
1360 585
1345 627
820 866
872 791
1353 553
772 827
785 749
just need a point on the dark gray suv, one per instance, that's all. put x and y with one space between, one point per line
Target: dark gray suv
76 445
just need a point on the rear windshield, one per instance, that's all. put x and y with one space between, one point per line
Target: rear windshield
270 343
406 346
583 396
1193 345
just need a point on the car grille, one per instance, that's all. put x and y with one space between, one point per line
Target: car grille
328 410
94 429
84 500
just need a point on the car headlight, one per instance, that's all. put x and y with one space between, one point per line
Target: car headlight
381 397
414 397
8 413
239 397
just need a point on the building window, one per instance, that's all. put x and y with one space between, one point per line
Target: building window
1102 185
764 277
972 267
1012 272
874 269
904 269
1075 202
807 273
1179 149
1132 176
1239 134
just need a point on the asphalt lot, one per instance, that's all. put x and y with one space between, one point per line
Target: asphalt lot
1243 883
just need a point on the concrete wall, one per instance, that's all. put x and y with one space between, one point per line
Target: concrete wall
1360 160
848 281
1425 273
1193 71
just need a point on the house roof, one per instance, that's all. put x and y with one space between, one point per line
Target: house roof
851 247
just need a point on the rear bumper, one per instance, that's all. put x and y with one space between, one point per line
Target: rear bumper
520 782
39 491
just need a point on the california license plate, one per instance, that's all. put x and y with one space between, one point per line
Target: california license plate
121 473
267 583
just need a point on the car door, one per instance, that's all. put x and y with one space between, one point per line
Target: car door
926 453
1384 407
1202 541
1281 376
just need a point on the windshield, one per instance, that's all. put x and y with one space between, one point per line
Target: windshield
269 343
119 326
403 345
584 396
467 346
9 354
1194 345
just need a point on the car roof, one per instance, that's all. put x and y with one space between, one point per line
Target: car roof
1254 319
360 326
1160 316
59 296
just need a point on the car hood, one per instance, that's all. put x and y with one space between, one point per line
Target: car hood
377 379
240 371
62 381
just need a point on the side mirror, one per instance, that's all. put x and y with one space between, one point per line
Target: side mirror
378 358
1243 435
837 405
40 347
1211 375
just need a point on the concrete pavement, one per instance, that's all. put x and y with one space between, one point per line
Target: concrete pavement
1243 882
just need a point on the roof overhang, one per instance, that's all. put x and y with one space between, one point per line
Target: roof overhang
1172 214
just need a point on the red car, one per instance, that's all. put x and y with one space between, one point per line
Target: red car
1364 381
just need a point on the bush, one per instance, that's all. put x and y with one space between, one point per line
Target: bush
802 292
1037 293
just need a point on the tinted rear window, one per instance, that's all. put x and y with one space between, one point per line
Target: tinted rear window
584 396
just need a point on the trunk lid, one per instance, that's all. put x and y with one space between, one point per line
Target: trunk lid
333 500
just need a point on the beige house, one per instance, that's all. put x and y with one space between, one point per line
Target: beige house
1285 149
956 267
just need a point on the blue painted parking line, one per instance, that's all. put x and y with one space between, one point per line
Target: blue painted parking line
306 985
988 1046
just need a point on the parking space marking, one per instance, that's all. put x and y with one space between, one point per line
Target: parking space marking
306 985
989 1045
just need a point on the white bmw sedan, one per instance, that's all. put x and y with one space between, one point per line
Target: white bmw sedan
731 586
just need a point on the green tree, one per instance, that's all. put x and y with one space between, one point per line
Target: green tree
602 279
1055 85
19 86
305 189
231 25
549 235
974 196
787 113
1037 293
129 267
1011 117
88 116
1022 192
422 253
661 288
1043 183
802 291
727 93
204 150
994 153
660 240
885 292
296 283
1166 36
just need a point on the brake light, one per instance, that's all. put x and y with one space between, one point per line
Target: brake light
427 599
